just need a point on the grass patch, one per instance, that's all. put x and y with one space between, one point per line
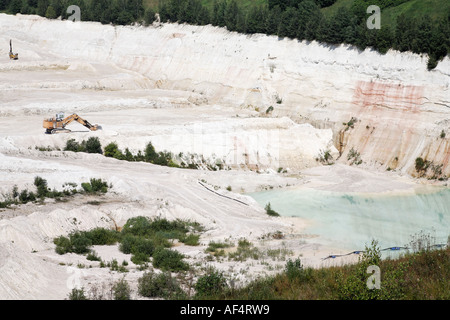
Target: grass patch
244 251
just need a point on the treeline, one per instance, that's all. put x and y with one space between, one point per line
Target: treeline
304 20
295 19
120 12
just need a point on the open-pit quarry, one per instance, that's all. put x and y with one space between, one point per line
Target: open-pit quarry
255 113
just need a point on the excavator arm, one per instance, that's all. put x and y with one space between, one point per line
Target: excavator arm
75 117
86 124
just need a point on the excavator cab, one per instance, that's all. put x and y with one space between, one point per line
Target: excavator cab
12 56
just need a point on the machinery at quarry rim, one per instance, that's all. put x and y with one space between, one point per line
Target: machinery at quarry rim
267 110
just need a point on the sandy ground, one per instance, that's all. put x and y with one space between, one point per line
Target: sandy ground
132 111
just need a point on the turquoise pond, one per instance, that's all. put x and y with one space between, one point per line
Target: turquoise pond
351 221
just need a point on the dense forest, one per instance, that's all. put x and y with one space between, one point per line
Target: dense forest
295 19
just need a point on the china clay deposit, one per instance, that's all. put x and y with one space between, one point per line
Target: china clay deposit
204 93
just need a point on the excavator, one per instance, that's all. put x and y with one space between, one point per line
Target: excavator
59 123
12 56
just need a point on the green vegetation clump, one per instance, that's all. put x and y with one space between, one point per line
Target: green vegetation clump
121 290
43 192
354 157
210 284
77 294
95 186
162 158
429 169
80 242
414 276
147 240
161 285
270 211
92 145
169 260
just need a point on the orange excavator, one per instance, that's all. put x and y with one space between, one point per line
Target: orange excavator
59 123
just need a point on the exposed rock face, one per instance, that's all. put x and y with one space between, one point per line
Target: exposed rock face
399 108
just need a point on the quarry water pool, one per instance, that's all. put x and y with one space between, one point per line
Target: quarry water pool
350 221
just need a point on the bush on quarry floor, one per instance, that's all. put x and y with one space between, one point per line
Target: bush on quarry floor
161 285
92 145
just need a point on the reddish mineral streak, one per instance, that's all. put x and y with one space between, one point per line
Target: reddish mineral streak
388 95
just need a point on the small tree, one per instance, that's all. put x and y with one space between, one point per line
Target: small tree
93 145
150 153
41 185
72 145
270 211
111 149
121 290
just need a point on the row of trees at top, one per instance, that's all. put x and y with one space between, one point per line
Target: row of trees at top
119 12
300 19
304 20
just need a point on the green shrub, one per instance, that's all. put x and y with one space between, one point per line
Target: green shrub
191 240
102 236
80 243
42 187
72 145
210 284
95 186
270 211
121 290
140 258
150 153
92 256
77 294
137 226
169 260
295 270
141 248
161 285
111 149
159 229
26 196
93 145
63 245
